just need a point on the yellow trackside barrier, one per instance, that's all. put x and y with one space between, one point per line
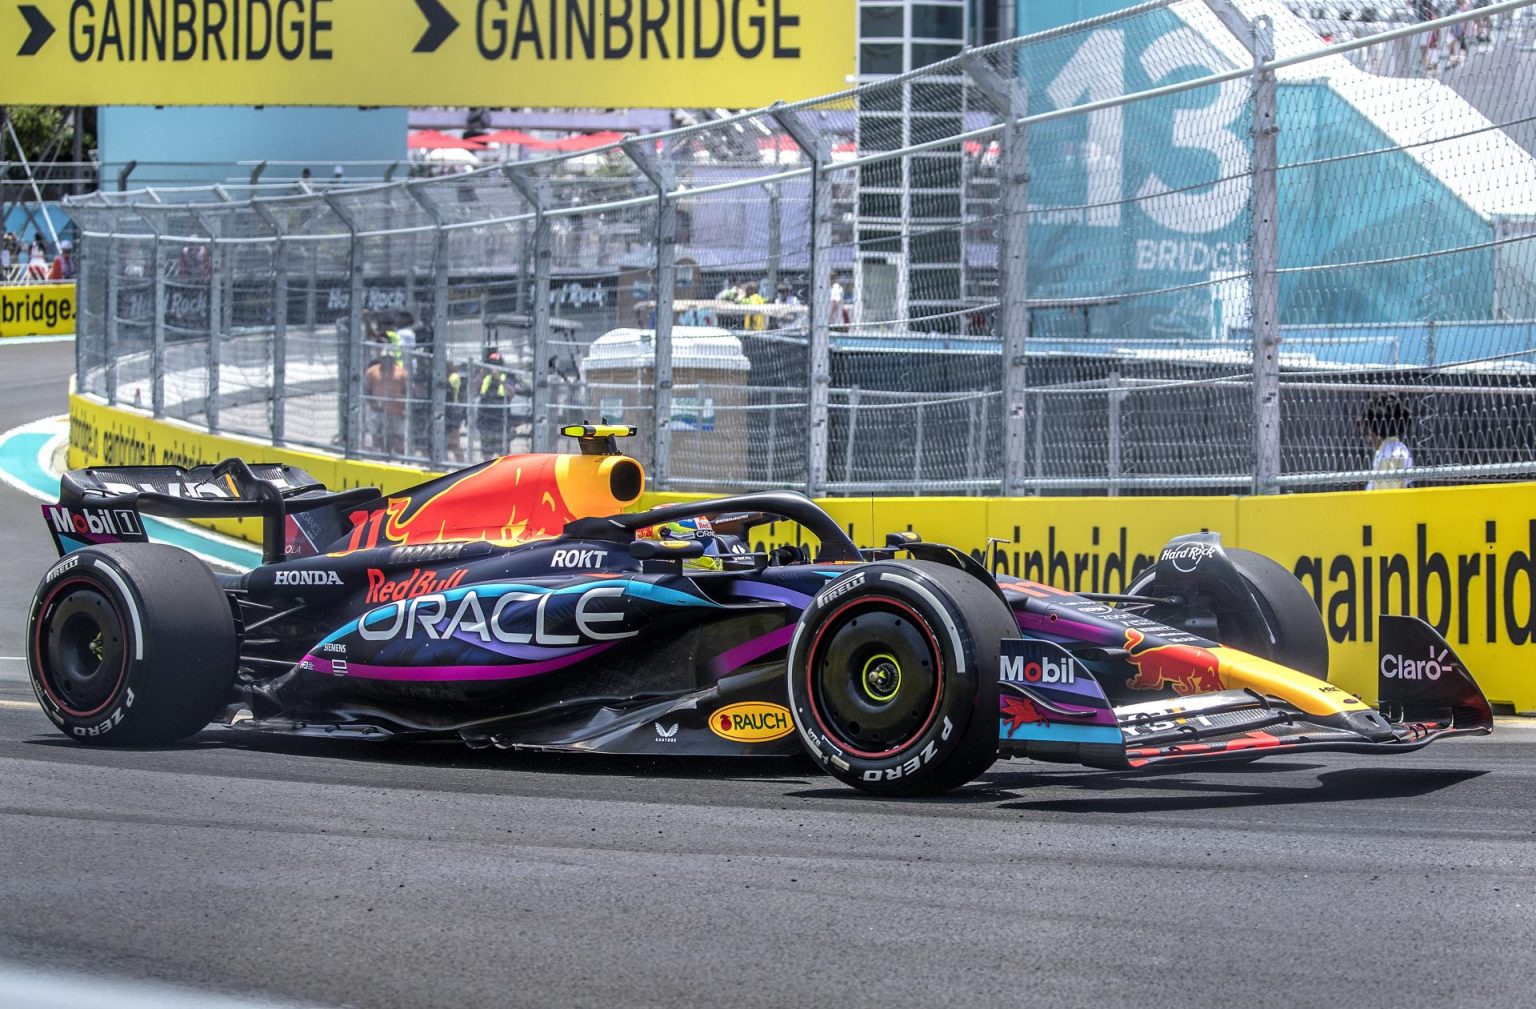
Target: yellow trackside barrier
100 435
37 310
1463 558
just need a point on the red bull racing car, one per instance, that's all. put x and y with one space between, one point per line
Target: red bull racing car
516 604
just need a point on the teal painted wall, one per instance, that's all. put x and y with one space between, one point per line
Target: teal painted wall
1038 15
1168 256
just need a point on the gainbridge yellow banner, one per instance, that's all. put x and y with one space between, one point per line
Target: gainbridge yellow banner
1462 558
37 310
556 53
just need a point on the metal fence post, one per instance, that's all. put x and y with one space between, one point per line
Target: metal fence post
214 358
1009 97
658 169
350 364
536 192
85 279
1265 265
215 330
814 145
775 237
438 408
1115 467
109 348
157 324
279 325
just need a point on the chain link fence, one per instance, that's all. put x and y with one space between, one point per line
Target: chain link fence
1190 247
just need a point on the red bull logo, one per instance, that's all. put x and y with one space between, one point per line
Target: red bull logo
1188 669
384 589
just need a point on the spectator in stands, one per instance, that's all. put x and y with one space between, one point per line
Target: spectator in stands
749 296
63 267
455 410
10 251
1384 422
338 176
419 412
731 292
493 412
1459 34
839 310
404 330
1429 42
37 264
386 385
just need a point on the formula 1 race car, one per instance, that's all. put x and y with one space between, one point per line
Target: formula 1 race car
515 604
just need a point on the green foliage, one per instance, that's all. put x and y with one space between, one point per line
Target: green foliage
40 127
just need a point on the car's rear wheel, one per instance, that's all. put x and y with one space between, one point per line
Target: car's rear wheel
131 644
893 677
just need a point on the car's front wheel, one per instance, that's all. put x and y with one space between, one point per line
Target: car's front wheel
892 676
131 644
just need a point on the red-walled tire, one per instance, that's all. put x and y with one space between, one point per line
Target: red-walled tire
131 644
892 677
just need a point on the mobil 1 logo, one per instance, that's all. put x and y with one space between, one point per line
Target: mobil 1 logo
1036 663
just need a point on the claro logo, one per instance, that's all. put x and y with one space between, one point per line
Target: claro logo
1016 669
751 722
1401 667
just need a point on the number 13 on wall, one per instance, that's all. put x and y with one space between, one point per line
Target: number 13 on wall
1185 164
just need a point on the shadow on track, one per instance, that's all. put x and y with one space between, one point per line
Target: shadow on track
1122 793
1005 787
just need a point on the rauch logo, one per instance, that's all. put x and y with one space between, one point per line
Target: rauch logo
751 722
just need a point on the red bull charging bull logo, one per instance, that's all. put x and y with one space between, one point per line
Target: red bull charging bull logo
1188 669
510 500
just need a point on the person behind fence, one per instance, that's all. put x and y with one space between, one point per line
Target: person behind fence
1383 423
400 332
63 267
386 385
37 264
455 409
493 412
749 296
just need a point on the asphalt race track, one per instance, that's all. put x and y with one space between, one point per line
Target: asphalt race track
435 876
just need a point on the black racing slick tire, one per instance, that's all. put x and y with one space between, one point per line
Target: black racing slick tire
892 677
1278 602
1301 640
131 645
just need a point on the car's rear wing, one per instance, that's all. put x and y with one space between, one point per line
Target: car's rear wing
105 504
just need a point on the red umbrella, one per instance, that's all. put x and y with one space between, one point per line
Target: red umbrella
517 137
587 141
432 139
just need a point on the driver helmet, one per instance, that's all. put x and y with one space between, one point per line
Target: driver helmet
688 529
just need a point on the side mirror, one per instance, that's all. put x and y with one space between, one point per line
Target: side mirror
666 550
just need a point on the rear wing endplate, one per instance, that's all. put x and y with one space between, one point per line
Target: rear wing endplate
106 504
